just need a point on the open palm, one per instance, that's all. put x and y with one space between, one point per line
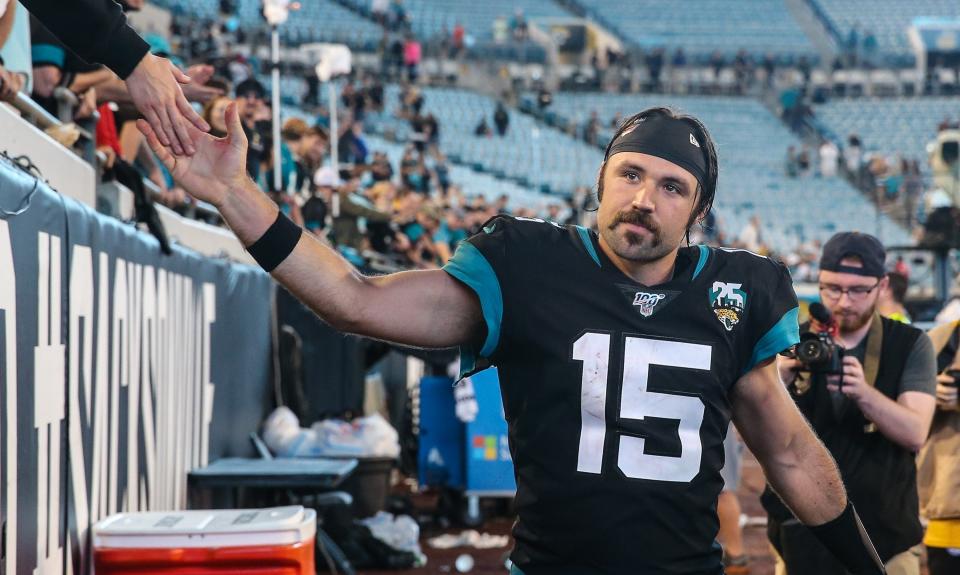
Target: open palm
218 165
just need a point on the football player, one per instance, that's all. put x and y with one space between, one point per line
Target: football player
622 355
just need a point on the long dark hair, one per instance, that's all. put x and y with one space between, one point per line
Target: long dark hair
708 190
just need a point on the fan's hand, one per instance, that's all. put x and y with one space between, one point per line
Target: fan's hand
218 164
154 86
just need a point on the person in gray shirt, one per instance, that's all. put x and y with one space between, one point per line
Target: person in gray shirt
873 413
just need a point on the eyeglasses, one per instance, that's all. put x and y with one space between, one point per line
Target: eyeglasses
855 293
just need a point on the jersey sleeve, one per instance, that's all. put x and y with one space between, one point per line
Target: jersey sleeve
774 319
481 263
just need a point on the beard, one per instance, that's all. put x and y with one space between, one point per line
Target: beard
634 246
852 321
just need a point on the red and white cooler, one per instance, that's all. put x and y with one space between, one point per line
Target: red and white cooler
275 541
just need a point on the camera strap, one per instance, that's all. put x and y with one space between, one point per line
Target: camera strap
871 359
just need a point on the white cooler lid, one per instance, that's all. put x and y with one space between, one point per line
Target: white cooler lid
206 528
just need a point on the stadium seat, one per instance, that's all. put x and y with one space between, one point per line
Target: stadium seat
702 26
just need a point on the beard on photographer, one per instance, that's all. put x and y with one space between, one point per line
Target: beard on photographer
871 406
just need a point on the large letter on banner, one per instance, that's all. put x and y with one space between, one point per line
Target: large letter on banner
8 375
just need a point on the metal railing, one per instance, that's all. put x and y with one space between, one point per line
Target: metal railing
34 112
67 102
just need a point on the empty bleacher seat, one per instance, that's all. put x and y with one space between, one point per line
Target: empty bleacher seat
752 146
702 26
888 20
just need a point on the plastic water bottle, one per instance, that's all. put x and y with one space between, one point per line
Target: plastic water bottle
464 563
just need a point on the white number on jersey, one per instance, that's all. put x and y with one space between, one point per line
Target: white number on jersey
593 349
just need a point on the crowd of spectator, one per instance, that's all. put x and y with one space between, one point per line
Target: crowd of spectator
412 214
409 214
412 211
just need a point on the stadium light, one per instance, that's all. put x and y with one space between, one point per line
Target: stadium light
332 60
276 12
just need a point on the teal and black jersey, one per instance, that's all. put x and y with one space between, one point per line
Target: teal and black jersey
617 395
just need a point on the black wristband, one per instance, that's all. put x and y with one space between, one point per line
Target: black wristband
276 243
846 538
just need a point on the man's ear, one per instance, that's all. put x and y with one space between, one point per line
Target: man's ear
698 218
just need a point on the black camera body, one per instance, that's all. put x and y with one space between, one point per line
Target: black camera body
820 354
817 351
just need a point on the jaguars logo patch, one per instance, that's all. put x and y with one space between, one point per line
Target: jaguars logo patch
729 302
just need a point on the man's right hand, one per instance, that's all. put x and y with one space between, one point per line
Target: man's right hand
197 90
788 367
218 165
946 392
154 86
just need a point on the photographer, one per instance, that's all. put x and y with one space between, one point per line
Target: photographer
938 469
867 386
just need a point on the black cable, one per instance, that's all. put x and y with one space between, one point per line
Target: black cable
27 166
321 545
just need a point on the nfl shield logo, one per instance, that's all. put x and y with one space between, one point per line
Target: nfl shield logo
645 302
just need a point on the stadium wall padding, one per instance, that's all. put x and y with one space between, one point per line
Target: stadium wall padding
120 370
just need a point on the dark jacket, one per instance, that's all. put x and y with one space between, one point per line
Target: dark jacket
96 30
346 231
880 476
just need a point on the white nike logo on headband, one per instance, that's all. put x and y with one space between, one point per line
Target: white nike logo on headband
694 141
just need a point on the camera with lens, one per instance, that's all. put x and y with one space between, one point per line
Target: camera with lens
820 354
817 351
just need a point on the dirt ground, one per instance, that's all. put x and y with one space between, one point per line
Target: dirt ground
441 562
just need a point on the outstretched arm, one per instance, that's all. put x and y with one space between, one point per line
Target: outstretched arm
799 467
417 308
97 31
795 462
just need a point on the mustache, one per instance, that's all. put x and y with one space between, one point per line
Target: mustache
636 218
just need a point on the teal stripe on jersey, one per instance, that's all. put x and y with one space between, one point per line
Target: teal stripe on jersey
784 334
468 363
585 238
470 267
704 256
514 570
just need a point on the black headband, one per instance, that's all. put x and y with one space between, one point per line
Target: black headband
667 138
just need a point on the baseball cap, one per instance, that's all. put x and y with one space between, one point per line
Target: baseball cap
854 244
326 177
48 55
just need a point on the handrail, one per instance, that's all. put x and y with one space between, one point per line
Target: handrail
39 116
44 120
67 101
32 110
827 23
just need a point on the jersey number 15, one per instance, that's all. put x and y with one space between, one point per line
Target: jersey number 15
593 349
